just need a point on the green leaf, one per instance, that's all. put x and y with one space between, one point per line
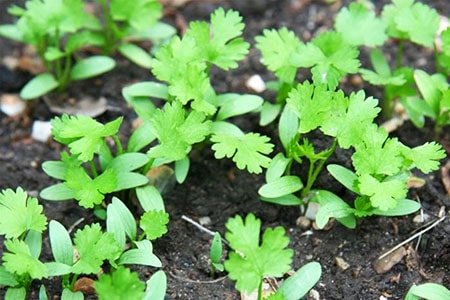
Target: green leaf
281 186
19 260
383 194
220 43
330 57
146 89
154 223
350 118
301 282
7 278
20 213
377 154
425 157
143 255
331 206
248 151
57 192
277 48
269 113
156 286
232 105
429 291
11 31
19 293
136 54
69 295
83 134
215 252
139 14
123 165
182 169
121 284
288 126
177 132
404 207
251 261
405 20
150 198
141 137
58 269
311 104
429 89
277 167
91 67
288 200
346 177
120 221
382 74
39 86
94 246
359 26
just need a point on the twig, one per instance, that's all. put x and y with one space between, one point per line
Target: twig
413 237
197 281
77 222
202 228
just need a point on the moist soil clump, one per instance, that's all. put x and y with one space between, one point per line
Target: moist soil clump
218 190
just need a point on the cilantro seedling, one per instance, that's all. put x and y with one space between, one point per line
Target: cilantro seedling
57 29
121 284
22 224
86 139
215 254
381 164
251 259
194 113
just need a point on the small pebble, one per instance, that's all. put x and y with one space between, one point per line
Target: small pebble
41 131
303 222
204 220
341 263
256 84
313 294
12 105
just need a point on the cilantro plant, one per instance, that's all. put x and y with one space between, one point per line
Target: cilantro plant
428 291
86 140
252 260
127 23
215 254
381 164
22 224
194 113
57 29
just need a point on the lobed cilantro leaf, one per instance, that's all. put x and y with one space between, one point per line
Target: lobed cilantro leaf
277 48
311 104
20 213
140 14
88 191
377 154
83 134
425 157
179 63
251 261
330 57
350 118
121 284
177 132
20 261
383 194
359 26
247 150
405 20
94 246
220 43
154 223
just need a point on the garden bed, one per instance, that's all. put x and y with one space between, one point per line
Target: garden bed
218 190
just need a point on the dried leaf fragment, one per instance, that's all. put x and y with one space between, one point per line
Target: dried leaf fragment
385 264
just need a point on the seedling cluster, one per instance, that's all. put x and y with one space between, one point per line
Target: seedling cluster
97 171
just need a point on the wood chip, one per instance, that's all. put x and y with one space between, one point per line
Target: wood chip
385 264
87 106
84 285
341 263
445 173
12 105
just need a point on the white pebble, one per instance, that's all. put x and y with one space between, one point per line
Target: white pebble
41 131
256 84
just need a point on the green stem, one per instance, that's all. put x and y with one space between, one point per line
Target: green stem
148 166
118 144
93 168
260 290
314 170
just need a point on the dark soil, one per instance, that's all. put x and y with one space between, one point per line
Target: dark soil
218 190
